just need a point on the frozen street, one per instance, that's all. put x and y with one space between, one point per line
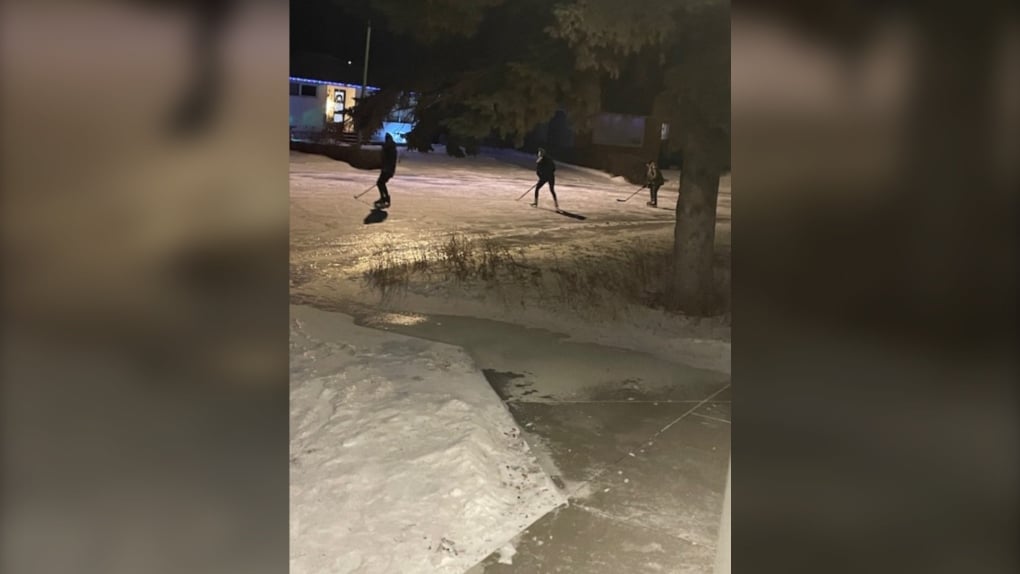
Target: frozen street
435 195
624 409
638 445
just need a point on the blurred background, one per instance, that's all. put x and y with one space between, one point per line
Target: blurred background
875 179
144 237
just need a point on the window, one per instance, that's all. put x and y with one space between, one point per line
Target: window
403 116
294 88
339 100
619 130
308 90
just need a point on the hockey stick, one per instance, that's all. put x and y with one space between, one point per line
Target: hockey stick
364 192
525 193
633 194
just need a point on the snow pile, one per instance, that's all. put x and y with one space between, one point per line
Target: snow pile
403 459
506 553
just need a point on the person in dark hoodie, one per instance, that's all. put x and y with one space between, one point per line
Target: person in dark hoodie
654 182
545 167
389 167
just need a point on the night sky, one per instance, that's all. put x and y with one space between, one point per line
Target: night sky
337 28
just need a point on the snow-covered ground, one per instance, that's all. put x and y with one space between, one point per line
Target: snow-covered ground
435 196
403 458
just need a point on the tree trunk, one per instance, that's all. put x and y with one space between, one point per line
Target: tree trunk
693 286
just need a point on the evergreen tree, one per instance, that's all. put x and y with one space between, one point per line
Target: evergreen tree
484 68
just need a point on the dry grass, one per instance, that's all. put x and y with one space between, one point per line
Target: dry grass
611 282
461 258
608 283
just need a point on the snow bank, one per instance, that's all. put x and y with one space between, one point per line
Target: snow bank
403 459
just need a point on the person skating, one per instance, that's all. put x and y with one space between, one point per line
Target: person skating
654 182
389 167
545 167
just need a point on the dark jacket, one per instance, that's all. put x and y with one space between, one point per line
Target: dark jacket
546 168
389 155
654 176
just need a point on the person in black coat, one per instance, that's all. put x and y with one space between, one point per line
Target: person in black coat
654 181
389 167
546 169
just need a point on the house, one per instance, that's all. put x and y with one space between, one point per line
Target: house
620 139
622 143
619 143
317 104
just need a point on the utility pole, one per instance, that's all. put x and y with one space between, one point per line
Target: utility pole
364 73
368 44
